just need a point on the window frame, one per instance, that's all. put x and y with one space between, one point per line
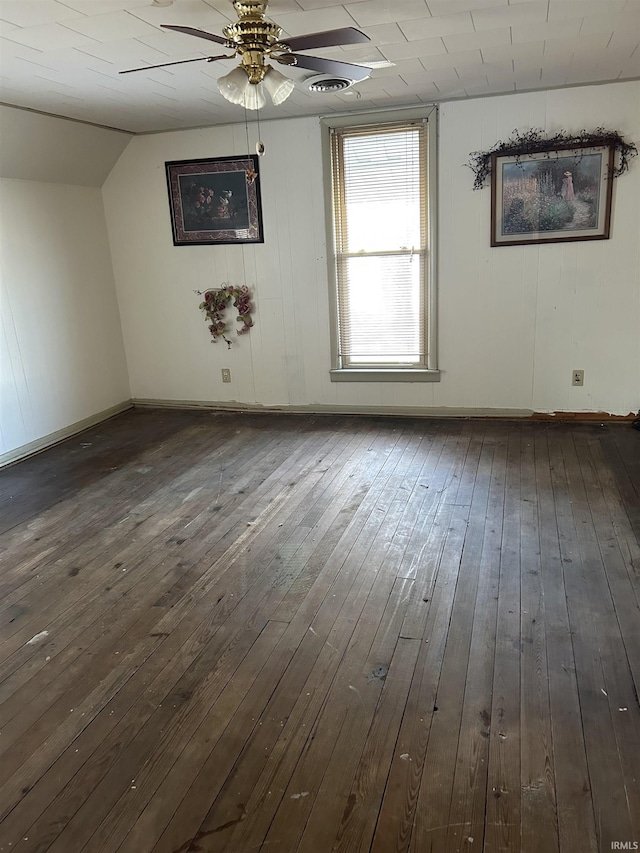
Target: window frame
427 372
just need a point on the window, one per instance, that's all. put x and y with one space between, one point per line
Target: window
382 259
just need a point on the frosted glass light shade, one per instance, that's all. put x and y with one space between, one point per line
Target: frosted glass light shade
235 87
278 86
254 98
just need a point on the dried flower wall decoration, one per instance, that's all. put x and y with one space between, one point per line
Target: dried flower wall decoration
216 302
538 141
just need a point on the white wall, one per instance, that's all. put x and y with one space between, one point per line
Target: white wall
517 320
285 358
513 321
61 352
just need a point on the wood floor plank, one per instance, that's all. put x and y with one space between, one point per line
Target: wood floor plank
89 615
149 825
504 796
174 612
622 577
321 633
399 807
617 687
436 790
618 515
123 828
66 523
75 577
299 697
468 800
575 816
437 485
539 827
360 814
371 591
328 766
41 481
225 610
606 777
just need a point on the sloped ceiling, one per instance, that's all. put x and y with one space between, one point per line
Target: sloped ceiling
35 147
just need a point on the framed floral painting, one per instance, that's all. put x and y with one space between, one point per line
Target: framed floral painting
215 200
552 196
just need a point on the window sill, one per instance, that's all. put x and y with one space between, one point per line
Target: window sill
383 375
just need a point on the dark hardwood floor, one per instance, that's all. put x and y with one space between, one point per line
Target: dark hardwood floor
274 633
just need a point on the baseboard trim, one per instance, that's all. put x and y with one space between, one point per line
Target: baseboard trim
385 411
320 409
53 438
600 417
56 437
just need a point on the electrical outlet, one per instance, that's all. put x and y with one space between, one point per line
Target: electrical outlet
226 374
577 377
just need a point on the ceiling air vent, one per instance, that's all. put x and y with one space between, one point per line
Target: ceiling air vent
327 83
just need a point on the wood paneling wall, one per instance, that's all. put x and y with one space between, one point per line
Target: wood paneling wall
513 321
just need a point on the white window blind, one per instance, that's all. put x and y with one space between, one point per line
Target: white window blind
380 203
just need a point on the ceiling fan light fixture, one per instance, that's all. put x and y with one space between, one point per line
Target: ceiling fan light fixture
235 87
254 98
278 86
233 84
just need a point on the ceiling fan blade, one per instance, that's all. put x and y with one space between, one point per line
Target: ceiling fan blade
329 66
328 38
177 62
194 31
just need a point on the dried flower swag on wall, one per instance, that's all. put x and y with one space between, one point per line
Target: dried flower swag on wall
216 302
536 141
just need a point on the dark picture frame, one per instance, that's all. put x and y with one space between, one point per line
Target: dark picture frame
552 196
215 200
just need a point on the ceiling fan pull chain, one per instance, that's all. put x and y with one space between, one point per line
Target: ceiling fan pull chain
259 144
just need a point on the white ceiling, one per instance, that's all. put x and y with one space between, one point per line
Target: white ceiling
63 56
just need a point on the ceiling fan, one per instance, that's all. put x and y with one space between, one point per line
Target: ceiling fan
254 40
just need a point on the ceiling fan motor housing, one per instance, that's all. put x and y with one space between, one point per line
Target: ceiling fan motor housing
252 36
248 30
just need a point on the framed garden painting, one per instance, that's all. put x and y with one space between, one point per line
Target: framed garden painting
215 200
551 196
